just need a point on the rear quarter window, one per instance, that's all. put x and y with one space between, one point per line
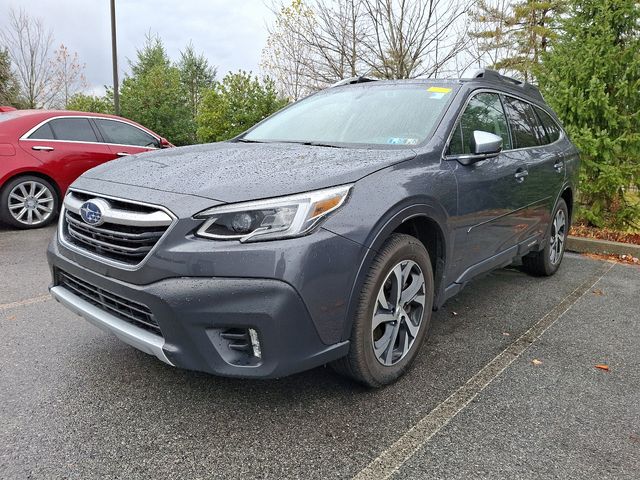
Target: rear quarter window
44 132
550 125
526 129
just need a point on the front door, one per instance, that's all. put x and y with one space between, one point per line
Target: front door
490 193
124 138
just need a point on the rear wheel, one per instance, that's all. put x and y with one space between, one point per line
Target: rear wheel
28 202
547 261
393 314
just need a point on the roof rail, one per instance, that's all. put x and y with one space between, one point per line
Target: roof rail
352 80
493 76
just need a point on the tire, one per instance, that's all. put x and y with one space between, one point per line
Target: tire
369 362
547 261
35 195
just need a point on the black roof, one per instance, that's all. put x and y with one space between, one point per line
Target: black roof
491 76
485 76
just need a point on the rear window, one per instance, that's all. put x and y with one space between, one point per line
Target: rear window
526 129
73 130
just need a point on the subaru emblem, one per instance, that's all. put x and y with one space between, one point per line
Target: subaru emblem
92 211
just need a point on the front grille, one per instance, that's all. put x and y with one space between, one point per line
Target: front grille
129 233
127 310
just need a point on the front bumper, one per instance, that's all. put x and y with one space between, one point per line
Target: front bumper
192 312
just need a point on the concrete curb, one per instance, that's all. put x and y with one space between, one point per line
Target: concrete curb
594 245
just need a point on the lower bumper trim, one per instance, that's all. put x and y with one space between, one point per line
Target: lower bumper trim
130 334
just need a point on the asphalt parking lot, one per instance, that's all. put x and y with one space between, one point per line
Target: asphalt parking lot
506 387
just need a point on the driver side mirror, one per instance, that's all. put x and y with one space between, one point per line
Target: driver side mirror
164 143
483 145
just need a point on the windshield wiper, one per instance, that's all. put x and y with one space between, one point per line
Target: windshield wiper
246 140
315 144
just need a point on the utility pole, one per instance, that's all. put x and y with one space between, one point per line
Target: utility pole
114 56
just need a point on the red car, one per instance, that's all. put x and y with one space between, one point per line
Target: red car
43 151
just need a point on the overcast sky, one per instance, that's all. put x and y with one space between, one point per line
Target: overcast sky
231 33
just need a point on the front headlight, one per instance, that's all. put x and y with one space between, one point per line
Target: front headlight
276 218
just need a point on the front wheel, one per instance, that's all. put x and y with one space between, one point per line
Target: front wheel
393 314
547 261
28 202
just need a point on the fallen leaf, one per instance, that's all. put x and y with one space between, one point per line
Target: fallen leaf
535 361
506 334
11 317
602 366
454 313
598 291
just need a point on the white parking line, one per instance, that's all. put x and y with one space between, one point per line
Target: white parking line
22 303
391 459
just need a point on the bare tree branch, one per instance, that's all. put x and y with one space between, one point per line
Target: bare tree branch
29 46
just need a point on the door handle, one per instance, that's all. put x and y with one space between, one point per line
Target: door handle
42 148
559 166
122 154
521 175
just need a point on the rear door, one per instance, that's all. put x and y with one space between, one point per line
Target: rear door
69 146
542 182
490 196
125 139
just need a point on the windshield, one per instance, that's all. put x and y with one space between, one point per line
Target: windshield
366 114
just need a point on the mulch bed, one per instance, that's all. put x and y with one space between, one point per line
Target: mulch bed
611 235
605 234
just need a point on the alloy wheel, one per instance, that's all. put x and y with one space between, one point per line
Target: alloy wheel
31 203
397 316
558 237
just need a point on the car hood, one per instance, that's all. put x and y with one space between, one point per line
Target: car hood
234 172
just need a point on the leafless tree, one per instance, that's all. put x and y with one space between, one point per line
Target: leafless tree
414 38
286 58
323 41
29 44
68 76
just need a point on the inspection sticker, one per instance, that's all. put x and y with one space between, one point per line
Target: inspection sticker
438 92
439 89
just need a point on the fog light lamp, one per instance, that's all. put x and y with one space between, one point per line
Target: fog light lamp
255 343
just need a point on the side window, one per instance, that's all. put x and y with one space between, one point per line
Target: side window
552 128
125 134
43 133
484 112
73 129
526 129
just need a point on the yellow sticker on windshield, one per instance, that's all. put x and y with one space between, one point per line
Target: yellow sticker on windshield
439 89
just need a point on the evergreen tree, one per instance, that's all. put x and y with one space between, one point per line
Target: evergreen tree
236 104
9 87
154 96
515 34
196 76
591 77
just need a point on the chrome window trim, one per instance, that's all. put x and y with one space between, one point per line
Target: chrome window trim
101 259
33 129
446 157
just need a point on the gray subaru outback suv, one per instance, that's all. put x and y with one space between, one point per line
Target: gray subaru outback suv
325 234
